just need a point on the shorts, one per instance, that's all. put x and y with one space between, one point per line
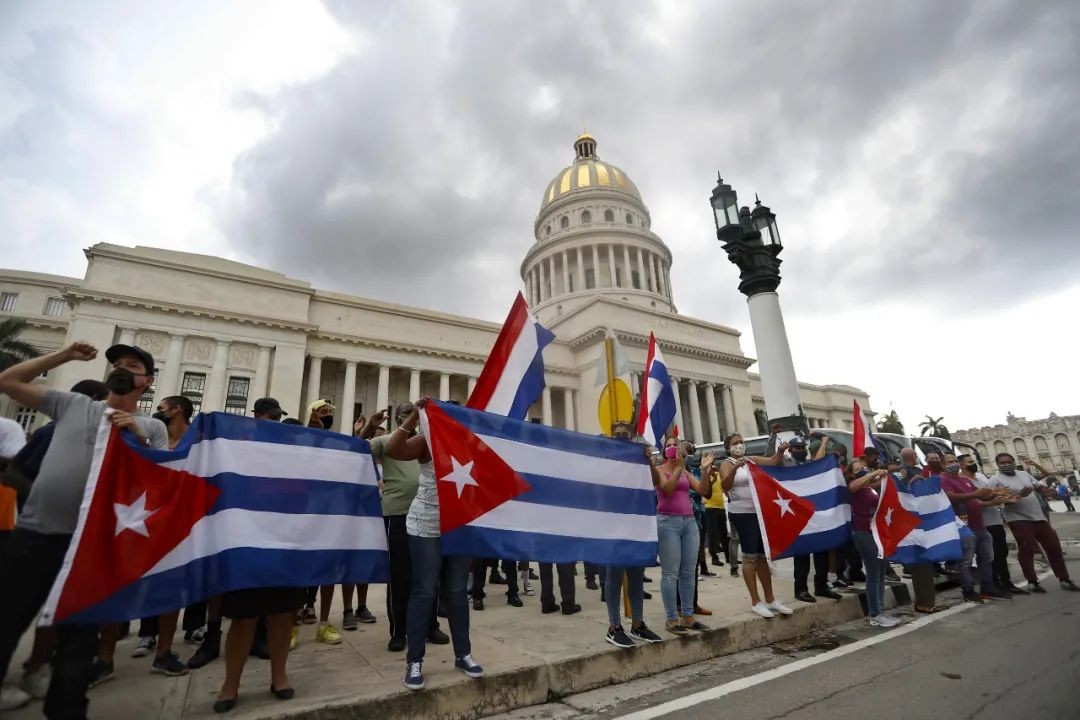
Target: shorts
746 526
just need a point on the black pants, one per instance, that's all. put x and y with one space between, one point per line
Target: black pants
400 585
716 530
1001 555
1068 504
848 561
592 570
31 563
479 574
821 572
566 585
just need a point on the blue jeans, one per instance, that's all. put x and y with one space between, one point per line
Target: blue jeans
981 546
432 571
678 535
635 589
875 572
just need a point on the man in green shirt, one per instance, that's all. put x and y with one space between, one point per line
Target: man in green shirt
400 479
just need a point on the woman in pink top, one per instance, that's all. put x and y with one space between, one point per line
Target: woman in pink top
677 531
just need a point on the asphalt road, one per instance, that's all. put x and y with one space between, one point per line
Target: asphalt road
1017 660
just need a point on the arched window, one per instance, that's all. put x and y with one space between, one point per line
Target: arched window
999 447
1021 446
586 217
547 230
981 449
609 216
1040 444
1062 442
629 219
564 222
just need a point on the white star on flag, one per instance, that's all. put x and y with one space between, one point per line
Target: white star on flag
785 505
888 516
461 475
133 517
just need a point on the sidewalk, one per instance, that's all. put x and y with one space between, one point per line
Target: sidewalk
529 658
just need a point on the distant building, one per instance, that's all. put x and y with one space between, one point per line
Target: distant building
1053 442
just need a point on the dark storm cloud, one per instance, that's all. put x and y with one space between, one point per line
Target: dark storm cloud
423 155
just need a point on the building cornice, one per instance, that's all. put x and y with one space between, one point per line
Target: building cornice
640 340
75 296
582 196
404 311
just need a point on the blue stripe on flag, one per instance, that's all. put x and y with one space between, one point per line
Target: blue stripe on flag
483 423
830 498
300 497
937 519
237 569
915 554
819 541
786 473
539 547
547 490
532 383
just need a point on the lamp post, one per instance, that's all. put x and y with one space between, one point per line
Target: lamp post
751 240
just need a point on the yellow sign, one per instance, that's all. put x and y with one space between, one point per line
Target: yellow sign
616 404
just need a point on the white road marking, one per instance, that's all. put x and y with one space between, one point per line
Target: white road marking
748 682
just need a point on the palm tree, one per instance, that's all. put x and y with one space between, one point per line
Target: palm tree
891 424
933 426
13 350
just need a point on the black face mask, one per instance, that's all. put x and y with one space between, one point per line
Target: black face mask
327 421
161 416
971 468
799 455
120 381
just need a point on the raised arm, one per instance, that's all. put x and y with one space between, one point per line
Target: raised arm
403 445
776 459
17 382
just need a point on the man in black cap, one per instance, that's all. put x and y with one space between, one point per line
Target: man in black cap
39 543
799 454
268 408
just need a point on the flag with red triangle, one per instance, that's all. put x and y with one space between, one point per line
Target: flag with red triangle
782 514
892 521
471 478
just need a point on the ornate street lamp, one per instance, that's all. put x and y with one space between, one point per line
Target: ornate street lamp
751 240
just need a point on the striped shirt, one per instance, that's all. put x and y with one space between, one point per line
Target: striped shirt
423 518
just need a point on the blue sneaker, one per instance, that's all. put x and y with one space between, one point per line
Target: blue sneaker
414 676
467 665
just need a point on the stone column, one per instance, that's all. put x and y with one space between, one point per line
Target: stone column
568 408
414 385
262 372
729 417
595 267
650 281
580 270
214 399
710 407
472 386
444 386
314 380
543 282
729 403
611 265
695 412
628 276
348 399
670 294
641 269
127 336
554 289
545 404
168 381
565 271
657 264
678 404
382 394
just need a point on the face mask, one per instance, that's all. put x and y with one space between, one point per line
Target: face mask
327 421
799 455
738 450
161 416
671 452
972 468
952 468
1007 468
861 472
120 381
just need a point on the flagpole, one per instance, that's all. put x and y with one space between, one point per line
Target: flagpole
613 402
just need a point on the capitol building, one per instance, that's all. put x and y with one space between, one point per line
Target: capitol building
224 333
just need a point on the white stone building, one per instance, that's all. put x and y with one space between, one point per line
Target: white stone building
224 333
1053 442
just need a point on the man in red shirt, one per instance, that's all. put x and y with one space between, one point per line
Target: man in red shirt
965 498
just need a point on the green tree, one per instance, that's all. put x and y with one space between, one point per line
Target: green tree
891 424
13 350
933 426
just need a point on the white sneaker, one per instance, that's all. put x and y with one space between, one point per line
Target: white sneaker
888 620
763 610
37 683
526 583
146 644
778 607
12 697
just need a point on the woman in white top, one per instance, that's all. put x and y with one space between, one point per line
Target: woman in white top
431 570
735 479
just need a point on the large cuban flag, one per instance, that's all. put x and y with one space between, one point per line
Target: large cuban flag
513 376
862 436
937 537
240 503
657 399
801 509
522 491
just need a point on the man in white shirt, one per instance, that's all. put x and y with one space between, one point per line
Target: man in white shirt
994 520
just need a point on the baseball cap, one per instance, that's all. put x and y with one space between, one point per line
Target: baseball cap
797 440
118 351
319 404
267 406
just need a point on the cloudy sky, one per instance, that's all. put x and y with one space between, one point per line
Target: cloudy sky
923 159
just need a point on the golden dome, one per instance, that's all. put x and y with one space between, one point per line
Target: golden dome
588 173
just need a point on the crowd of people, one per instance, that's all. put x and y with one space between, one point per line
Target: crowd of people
704 510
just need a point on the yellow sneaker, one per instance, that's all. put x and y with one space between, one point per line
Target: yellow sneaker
328 634
295 640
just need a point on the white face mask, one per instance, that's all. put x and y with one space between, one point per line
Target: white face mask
738 450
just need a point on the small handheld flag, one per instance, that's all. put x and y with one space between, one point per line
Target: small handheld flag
782 514
892 522
861 435
657 399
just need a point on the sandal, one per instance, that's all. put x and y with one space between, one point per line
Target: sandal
928 611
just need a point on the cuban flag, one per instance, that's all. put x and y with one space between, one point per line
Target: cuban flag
892 522
657 400
513 376
861 435
522 491
801 509
241 503
937 536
